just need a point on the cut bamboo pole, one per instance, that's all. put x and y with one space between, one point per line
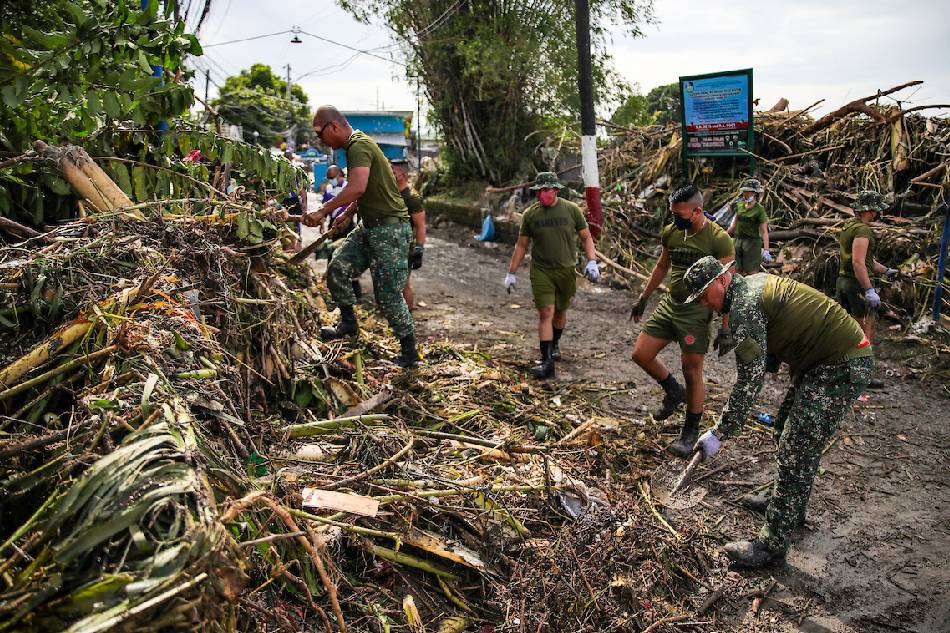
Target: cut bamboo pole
100 179
58 341
74 176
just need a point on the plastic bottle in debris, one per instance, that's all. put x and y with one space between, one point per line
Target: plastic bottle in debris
765 418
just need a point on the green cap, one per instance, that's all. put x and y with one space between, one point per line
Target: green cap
751 184
870 201
701 274
546 180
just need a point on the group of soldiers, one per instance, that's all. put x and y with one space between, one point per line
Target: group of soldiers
766 320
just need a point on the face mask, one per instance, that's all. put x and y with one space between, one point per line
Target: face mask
749 199
681 222
547 197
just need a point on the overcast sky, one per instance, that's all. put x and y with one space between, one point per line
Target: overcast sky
804 50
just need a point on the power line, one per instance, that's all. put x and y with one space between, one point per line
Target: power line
246 39
352 48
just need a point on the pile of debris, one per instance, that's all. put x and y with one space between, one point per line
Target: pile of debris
180 450
811 170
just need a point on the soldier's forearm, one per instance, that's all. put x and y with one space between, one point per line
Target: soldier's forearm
751 377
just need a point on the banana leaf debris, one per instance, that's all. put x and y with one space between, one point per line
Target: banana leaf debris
182 452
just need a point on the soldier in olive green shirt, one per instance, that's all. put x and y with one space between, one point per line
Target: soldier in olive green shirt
417 217
831 361
382 241
689 237
551 226
750 228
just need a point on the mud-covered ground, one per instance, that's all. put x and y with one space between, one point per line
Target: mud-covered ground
875 552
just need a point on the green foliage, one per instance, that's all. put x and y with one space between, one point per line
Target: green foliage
659 106
79 71
256 100
495 70
663 103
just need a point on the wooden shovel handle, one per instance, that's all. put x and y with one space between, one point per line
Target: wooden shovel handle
696 460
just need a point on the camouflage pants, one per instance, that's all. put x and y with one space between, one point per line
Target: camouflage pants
813 408
383 250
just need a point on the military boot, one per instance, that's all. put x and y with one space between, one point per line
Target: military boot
544 369
556 344
751 554
409 357
346 327
684 444
675 395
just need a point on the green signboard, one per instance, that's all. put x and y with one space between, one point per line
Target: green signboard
717 115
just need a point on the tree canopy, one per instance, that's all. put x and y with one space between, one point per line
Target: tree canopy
83 71
659 106
256 99
495 71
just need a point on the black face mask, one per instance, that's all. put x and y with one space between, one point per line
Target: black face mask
681 222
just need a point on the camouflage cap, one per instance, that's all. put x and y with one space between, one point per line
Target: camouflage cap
546 180
870 201
751 184
701 274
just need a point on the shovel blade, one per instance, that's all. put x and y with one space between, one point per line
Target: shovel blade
672 488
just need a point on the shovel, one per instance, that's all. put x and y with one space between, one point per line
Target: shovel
671 486
308 250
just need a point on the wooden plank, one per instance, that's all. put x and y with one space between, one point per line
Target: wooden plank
340 501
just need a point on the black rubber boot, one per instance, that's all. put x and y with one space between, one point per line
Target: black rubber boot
675 396
545 369
409 357
556 344
751 554
876 383
684 444
346 327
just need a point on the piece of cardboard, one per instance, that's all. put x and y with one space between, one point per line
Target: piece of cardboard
340 501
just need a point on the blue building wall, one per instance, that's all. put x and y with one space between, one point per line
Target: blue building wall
379 125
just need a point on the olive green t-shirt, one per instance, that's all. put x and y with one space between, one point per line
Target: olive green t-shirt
381 198
684 251
807 328
852 229
748 220
413 200
553 232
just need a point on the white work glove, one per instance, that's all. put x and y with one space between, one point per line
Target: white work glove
510 281
871 296
890 273
709 444
592 271
766 256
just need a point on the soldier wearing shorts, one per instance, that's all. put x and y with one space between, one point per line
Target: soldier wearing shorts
831 361
688 238
552 226
858 265
750 228
380 243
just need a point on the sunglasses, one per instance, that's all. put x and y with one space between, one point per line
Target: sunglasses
323 129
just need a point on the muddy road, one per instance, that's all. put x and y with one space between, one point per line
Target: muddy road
875 552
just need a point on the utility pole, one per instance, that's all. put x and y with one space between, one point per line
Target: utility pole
418 125
289 143
588 127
